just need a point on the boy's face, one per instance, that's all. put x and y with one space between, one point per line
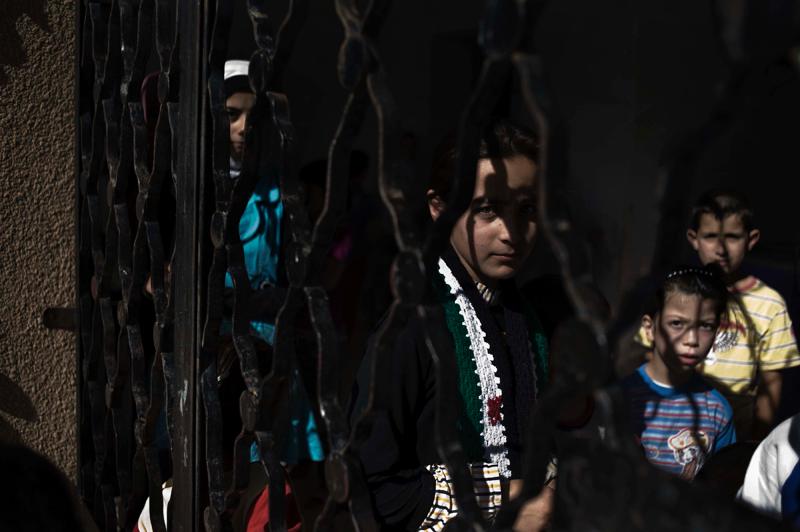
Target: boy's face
683 332
497 232
238 106
725 241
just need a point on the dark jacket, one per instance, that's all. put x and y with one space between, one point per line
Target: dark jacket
402 440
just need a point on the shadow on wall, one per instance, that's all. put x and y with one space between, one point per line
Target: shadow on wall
15 402
12 51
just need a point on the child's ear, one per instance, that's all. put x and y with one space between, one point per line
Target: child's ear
752 238
435 204
691 236
648 326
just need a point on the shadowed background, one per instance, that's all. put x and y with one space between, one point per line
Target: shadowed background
633 83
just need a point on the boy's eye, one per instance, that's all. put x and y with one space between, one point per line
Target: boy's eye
234 114
708 326
528 209
485 211
675 323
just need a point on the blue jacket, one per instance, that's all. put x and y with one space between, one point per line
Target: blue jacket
260 232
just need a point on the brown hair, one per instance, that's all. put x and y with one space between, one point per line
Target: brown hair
706 282
501 139
721 203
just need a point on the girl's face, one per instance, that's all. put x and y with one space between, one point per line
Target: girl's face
497 232
683 331
239 105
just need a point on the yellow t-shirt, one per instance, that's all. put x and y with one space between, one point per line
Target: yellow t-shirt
755 335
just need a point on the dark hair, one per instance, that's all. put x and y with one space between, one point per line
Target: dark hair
721 203
706 282
501 139
40 497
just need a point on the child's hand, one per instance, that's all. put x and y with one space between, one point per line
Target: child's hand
536 513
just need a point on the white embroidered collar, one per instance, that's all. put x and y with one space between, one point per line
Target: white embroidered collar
494 432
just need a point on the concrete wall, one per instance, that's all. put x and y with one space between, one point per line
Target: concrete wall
37 196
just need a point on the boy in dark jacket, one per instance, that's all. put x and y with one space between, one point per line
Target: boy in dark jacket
498 342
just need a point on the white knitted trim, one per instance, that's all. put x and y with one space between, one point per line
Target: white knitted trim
494 436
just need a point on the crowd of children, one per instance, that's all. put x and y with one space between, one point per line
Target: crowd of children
717 339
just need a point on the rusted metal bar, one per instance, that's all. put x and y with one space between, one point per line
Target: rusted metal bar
211 345
231 198
189 171
273 388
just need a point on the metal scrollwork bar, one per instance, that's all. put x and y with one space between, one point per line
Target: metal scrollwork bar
211 344
343 479
415 258
269 136
620 478
147 361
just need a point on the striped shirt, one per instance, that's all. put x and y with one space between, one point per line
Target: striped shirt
488 492
487 484
754 336
665 419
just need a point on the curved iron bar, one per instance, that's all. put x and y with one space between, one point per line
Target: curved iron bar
231 198
408 266
328 353
220 222
495 41
116 48
274 387
338 465
121 403
493 76
336 181
528 68
94 183
298 249
162 168
343 479
104 182
147 263
564 385
740 45
262 394
149 407
166 345
409 283
594 362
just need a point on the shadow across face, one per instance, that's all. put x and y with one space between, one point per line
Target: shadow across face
497 232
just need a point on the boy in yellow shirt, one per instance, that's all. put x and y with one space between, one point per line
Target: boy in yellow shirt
755 338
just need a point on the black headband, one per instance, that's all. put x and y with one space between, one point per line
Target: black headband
689 270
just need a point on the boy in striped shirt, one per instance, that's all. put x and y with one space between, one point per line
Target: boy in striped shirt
678 417
755 338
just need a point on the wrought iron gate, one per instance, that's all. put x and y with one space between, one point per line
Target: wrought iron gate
150 361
